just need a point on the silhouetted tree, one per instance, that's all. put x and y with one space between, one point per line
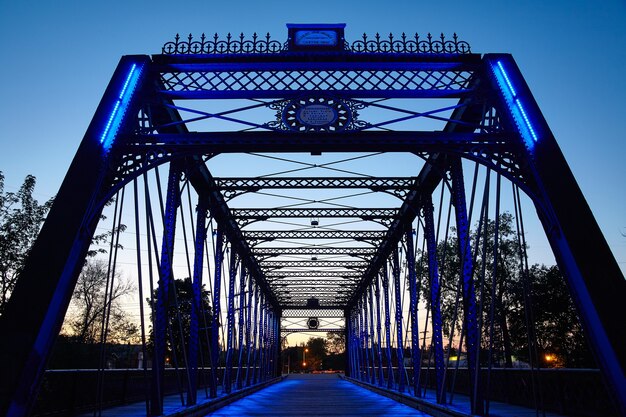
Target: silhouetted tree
179 314
318 349
336 342
21 217
555 322
88 308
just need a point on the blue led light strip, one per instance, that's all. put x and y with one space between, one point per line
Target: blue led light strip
119 108
517 108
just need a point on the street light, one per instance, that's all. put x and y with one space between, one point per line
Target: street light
304 352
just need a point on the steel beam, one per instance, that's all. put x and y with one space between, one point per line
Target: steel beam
215 323
370 304
197 309
287 330
472 336
230 322
33 315
385 278
313 250
237 184
242 314
265 214
399 339
275 277
582 253
166 279
416 356
265 265
280 142
201 179
435 300
379 352
358 235
312 283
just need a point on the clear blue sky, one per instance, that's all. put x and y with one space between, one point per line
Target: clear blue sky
59 56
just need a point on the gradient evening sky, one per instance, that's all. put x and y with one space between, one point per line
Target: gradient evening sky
59 56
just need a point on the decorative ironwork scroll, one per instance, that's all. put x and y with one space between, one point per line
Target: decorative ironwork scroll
411 45
317 114
265 45
231 45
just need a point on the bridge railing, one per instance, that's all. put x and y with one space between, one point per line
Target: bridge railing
68 392
566 391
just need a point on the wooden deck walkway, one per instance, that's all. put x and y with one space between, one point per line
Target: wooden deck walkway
315 395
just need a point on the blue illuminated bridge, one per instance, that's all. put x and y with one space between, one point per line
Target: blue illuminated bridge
317 226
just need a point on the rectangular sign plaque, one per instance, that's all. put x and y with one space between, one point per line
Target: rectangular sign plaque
319 37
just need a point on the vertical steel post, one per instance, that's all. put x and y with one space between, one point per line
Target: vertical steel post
416 356
266 342
364 350
278 365
400 347
163 291
385 277
196 305
472 342
215 323
371 326
266 358
242 310
435 298
359 336
355 345
252 358
379 351
347 335
249 323
259 356
232 276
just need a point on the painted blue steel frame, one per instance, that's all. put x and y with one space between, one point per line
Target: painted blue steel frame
416 356
472 337
58 254
228 367
379 349
161 322
399 339
435 297
249 349
370 305
242 311
197 309
385 278
215 323
581 253
253 354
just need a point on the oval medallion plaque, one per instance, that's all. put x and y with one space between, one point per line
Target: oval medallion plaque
316 114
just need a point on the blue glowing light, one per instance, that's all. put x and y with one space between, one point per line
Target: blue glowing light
119 108
515 105
518 103
506 78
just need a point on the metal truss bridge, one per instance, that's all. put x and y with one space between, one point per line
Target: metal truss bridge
379 190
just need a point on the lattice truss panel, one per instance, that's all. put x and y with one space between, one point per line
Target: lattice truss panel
299 242
306 80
